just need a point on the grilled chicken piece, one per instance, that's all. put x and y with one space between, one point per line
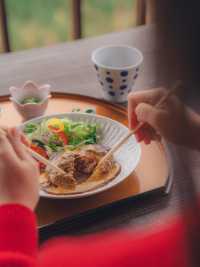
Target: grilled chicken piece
66 163
84 164
79 165
99 150
106 165
65 180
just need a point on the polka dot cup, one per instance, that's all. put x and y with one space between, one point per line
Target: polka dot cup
117 69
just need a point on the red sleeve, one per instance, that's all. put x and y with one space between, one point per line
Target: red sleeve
160 247
18 236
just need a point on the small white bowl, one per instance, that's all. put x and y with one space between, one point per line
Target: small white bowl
30 89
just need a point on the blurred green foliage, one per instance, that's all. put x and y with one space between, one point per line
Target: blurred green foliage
35 23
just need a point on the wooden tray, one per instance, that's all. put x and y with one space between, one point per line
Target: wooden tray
152 172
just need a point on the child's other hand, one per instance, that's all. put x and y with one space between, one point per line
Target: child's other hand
172 120
19 173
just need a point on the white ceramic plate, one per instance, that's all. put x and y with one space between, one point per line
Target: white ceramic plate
128 155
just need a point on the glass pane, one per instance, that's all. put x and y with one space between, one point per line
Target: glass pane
102 16
34 23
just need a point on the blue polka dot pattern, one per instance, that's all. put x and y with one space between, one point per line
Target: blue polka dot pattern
108 72
109 80
135 77
110 86
96 67
111 93
124 80
123 87
124 73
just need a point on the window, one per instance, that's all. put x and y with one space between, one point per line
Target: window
40 23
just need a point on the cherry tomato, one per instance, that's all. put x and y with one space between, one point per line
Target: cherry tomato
63 137
40 151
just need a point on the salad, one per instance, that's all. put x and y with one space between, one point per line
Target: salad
58 134
30 100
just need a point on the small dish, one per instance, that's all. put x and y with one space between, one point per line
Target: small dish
30 100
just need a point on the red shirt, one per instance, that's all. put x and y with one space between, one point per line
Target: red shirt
160 247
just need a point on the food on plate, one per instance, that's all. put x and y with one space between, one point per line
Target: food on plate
73 147
54 135
81 172
30 100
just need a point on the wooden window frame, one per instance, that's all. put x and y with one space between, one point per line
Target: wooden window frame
4 27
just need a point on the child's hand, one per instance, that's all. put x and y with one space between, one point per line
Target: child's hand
172 120
19 173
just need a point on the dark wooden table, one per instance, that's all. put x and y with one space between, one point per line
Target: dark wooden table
67 67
